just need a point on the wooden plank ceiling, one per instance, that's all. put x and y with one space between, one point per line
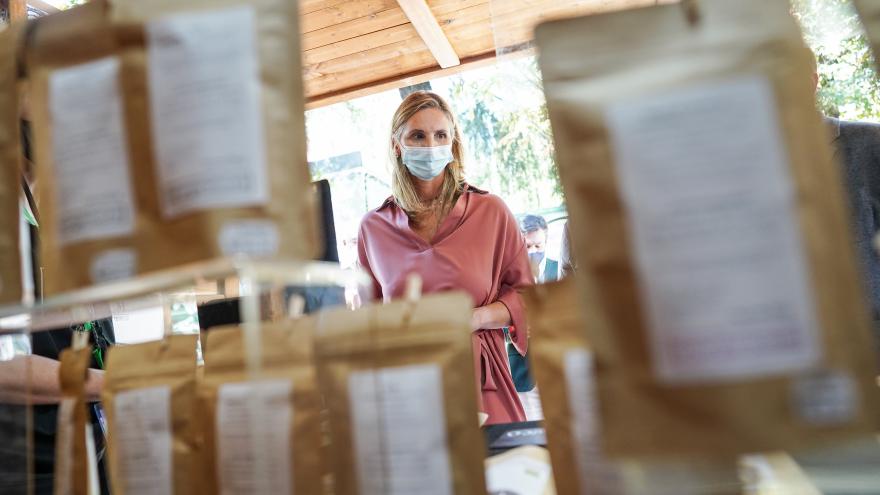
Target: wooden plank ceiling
353 48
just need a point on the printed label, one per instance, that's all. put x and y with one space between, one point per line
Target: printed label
712 215
399 430
256 238
93 186
825 399
113 264
248 411
143 440
205 103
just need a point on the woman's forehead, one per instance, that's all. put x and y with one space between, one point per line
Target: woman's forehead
428 119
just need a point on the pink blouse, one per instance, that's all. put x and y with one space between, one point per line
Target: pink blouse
478 248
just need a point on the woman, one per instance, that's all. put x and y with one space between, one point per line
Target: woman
454 236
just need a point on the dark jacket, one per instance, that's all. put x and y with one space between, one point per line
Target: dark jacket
857 149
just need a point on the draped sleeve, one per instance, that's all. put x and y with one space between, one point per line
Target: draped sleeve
515 275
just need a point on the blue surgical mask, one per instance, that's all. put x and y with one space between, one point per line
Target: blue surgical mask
537 257
426 163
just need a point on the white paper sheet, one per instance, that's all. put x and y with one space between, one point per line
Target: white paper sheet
713 223
242 407
399 429
518 475
206 114
143 439
826 398
594 474
93 192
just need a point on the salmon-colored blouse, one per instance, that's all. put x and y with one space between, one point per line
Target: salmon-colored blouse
478 248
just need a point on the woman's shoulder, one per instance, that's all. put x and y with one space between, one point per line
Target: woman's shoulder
484 197
382 214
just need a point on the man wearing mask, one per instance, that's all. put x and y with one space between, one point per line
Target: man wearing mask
534 229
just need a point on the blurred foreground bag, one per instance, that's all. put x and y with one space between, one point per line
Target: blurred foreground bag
10 165
562 359
76 470
149 396
398 382
709 215
169 133
221 157
90 216
283 405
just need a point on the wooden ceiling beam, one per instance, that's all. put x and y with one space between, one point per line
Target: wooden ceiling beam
421 17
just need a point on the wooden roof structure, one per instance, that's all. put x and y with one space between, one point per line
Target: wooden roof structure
353 48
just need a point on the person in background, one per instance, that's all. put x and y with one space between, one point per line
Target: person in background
453 235
857 150
534 230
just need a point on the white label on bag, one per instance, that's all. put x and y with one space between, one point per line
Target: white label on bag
64 447
241 408
142 435
205 102
399 430
256 238
825 399
93 193
594 474
712 216
113 264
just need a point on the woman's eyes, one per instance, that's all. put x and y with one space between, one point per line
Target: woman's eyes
419 136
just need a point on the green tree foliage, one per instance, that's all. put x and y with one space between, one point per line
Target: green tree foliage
505 124
848 86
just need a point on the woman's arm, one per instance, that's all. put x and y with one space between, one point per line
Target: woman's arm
495 315
41 384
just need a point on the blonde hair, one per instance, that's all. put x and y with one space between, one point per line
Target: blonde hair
402 187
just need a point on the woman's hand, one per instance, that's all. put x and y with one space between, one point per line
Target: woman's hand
495 315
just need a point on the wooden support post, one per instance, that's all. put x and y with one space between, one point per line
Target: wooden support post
17 10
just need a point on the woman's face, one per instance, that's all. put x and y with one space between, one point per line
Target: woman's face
428 127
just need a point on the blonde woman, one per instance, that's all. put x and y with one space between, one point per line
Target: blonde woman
454 236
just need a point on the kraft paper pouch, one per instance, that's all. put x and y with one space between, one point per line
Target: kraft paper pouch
10 165
229 405
75 458
149 397
398 382
90 211
709 214
222 153
563 359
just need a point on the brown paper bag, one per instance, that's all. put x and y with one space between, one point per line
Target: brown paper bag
75 459
10 165
149 396
708 213
91 216
398 382
563 360
221 154
291 444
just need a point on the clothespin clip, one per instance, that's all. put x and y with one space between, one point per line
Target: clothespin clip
79 340
412 294
691 11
